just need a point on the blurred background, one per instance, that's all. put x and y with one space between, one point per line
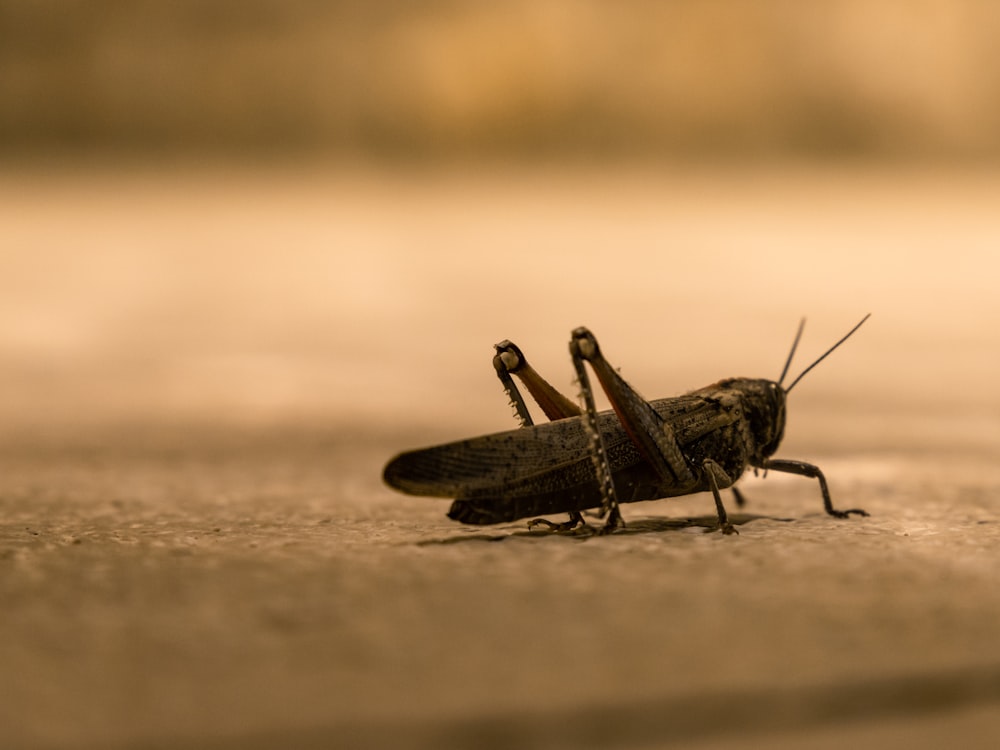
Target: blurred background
714 80
331 210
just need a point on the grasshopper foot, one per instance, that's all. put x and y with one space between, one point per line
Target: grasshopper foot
615 521
726 528
575 519
847 513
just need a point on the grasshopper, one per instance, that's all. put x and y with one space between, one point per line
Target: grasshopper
583 459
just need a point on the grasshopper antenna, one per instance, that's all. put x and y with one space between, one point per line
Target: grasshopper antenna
795 344
825 355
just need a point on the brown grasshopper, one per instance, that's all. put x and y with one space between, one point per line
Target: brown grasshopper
702 441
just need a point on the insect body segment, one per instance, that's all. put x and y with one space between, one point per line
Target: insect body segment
702 441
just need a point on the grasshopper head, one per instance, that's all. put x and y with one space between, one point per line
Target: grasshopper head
764 407
764 400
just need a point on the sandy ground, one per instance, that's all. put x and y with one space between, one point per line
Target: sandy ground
196 549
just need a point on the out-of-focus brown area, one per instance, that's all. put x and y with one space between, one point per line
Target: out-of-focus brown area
372 298
249 251
719 79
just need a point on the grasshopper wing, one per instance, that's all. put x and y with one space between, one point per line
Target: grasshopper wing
492 462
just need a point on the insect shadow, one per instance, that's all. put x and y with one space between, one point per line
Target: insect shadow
635 526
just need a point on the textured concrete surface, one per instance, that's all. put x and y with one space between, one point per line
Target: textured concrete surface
220 592
196 549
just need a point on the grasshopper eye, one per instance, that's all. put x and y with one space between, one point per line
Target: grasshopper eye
775 392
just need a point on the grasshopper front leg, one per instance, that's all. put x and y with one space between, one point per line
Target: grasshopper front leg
510 360
809 470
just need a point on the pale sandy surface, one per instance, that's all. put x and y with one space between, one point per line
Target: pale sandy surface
203 376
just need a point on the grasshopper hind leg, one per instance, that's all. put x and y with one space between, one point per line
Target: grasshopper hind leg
575 519
506 361
509 360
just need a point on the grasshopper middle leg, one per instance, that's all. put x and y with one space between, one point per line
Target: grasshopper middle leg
714 472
